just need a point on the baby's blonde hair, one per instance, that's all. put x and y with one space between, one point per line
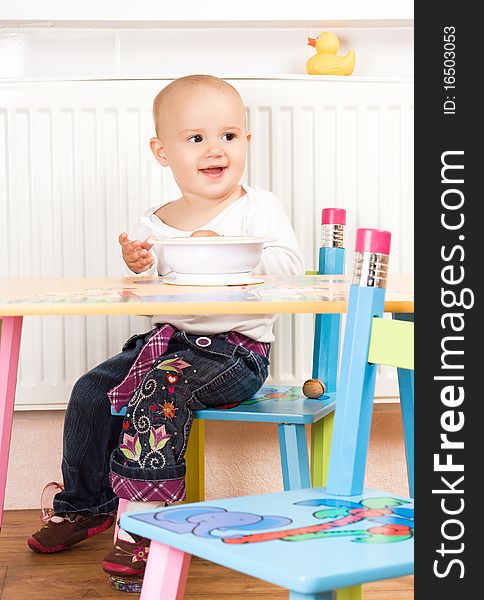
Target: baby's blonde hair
189 84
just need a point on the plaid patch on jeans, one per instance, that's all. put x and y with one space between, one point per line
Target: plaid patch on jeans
239 339
168 490
120 395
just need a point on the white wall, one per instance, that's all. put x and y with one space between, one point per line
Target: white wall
107 52
272 11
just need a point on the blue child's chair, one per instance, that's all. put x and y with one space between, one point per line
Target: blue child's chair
316 540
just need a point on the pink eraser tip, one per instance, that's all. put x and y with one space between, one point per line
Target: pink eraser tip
333 216
373 240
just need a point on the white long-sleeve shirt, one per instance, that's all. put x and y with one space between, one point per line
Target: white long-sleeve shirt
257 213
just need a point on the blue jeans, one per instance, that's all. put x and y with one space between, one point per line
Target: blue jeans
219 374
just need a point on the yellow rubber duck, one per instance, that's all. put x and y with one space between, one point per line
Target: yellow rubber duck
325 61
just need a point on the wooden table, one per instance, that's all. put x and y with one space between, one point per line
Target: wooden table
148 296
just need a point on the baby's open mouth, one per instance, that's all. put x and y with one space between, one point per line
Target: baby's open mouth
213 172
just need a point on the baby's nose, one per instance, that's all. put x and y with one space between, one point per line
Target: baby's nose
214 150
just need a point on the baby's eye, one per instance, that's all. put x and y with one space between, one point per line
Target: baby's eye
228 137
195 139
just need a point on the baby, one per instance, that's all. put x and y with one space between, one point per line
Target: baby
186 362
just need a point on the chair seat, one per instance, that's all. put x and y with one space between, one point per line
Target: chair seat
304 540
272 404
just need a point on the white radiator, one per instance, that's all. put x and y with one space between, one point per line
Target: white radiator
76 169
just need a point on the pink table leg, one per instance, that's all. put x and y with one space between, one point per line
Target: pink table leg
123 503
10 330
166 573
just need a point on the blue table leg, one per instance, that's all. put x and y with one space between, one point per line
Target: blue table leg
315 596
294 456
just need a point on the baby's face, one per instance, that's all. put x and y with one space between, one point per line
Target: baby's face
204 141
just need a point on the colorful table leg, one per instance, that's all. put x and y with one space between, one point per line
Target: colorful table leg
406 387
321 434
294 456
121 509
10 332
317 596
166 573
350 593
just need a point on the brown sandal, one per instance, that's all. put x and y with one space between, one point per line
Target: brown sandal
62 532
127 558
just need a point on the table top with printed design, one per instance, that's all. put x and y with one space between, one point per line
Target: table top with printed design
150 296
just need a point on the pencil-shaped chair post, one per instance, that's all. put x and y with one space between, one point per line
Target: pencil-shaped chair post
332 255
357 377
327 330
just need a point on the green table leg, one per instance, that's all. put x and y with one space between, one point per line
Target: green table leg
351 593
195 476
321 434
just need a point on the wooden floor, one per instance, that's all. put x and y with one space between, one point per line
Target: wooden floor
76 573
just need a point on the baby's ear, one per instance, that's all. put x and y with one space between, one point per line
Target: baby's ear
158 151
248 135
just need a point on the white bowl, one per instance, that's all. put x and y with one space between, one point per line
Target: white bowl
197 256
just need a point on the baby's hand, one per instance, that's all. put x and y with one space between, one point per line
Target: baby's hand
204 233
136 254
